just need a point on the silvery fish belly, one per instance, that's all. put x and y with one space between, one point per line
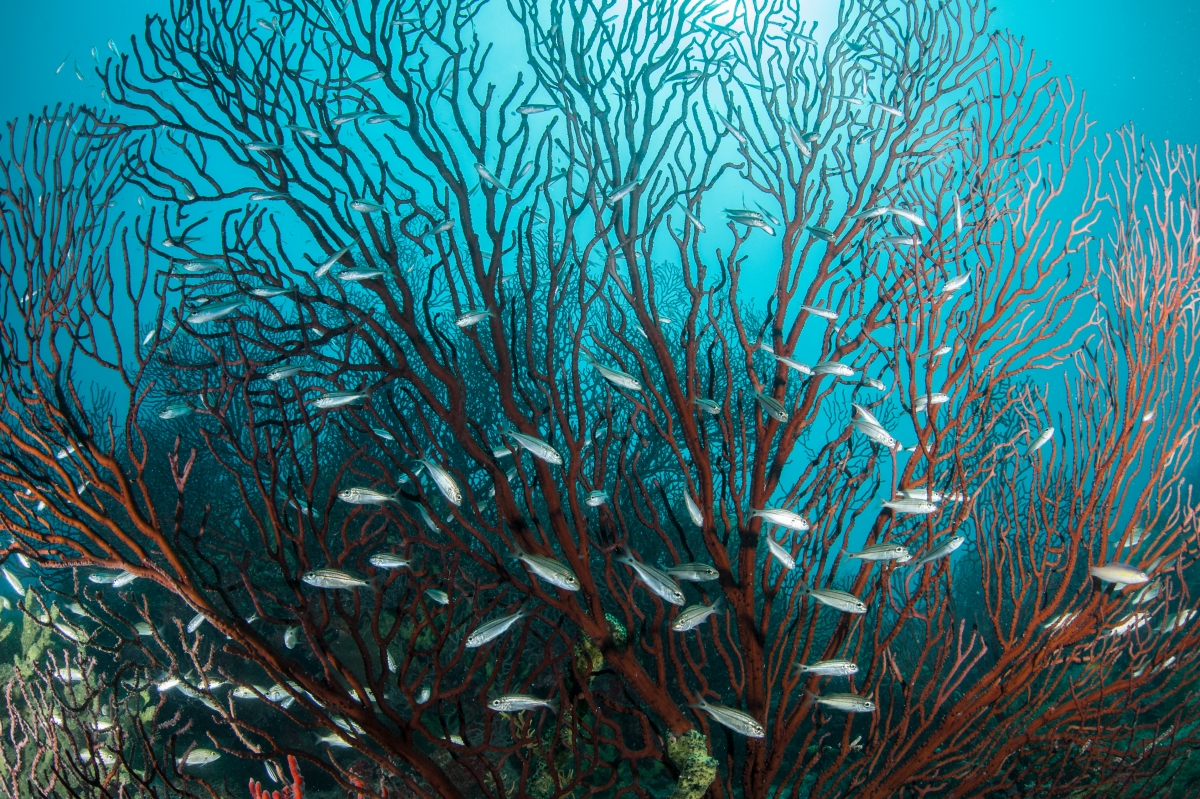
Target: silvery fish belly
882 552
365 496
737 720
781 517
444 481
659 583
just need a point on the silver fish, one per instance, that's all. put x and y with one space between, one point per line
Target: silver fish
514 702
780 554
795 365
548 569
291 636
833 368
491 630
535 446
365 496
620 193
360 274
736 720
954 284
839 600
212 312
875 433
382 433
282 372
472 318
1176 621
423 695
694 572
924 401
1042 439
829 668
911 216
772 407
596 498
386 560
488 177
333 579
693 616
882 552
941 550
817 310
444 481
199 757
958 215
331 260
693 509
1119 573
438 596
708 406
615 376
17 588
334 739
781 517
906 505
660 583
848 703
195 623
176 410
338 399
365 206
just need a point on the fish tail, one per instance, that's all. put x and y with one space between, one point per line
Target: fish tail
717 606
552 704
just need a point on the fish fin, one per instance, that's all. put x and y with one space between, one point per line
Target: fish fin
552 704
716 606
811 695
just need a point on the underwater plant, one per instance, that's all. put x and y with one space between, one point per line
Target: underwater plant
383 396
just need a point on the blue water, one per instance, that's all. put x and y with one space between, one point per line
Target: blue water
1138 61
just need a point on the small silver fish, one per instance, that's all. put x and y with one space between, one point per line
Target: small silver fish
833 368
175 410
781 517
535 446
876 552
817 310
338 399
707 406
548 569
1119 573
472 318
333 579
693 616
779 553
848 703
291 637
214 311
444 481
195 623
282 372
615 376
829 668
736 720
360 274
365 206
365 496
423 695
199 757
1042 439
876 433
906 505
941 550
438 596
331 260
954 284
694 572
491 630
772 407
693 509
595 499
386 560
514 702
924 401
838 600
660 583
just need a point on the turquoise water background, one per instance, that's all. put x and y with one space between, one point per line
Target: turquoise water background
1138 61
